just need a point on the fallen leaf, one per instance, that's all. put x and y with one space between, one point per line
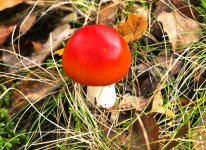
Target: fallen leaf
198 133
185 101
184 7
180 30
157 99
108 13
157 104
172 64
5 32
200 75
28 23
34 87
60 34
9 57
172 142
138 9
148 86
37 46
70 18
9 3
133 28
140 131
152 132
133 102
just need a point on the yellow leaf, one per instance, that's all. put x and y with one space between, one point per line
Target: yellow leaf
59 52
157 105
133 28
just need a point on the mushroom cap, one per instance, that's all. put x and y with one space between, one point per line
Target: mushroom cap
96 55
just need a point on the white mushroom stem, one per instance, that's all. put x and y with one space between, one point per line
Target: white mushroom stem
104 96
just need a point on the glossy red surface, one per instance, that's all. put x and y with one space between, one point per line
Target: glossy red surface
96 55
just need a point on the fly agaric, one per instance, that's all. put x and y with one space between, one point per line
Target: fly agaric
97 56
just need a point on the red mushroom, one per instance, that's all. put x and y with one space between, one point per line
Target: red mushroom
97 56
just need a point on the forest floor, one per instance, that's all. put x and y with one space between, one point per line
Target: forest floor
160 102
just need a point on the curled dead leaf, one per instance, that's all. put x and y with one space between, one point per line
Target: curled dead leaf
133 28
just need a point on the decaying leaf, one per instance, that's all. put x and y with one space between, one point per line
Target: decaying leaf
141 10
9 57
199 134
172 64
9 3
28 23
34 87
73 17
181 31
37 46
186 8
138 134
133 28
5 32
172 142
60 34
108 13
133 102
157 104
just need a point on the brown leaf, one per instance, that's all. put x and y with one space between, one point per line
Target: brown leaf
172 143
181 31
133 102
108 13
32 88
27 48
37 46
184 101
152 131
5 32
60 34
172 64
183 7
28 23
142 130
9 3
148 86
133 28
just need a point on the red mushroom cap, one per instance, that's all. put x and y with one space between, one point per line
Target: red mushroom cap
96 55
